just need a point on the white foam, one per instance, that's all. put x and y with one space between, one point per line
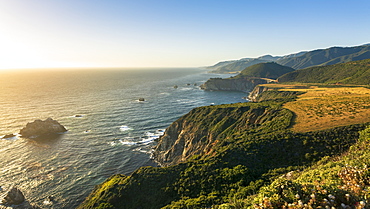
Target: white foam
127 143
125 128
160 132
47 202
186 89
141 150
148 140
16 135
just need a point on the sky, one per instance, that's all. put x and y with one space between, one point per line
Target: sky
171 33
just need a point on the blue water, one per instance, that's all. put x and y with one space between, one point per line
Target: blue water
109 130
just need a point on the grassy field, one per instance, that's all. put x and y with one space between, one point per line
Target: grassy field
323 107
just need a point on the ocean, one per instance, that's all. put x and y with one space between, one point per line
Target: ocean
109 130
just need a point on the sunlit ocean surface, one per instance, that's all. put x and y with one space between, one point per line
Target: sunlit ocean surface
109 130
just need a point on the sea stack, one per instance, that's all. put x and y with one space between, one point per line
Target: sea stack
40 128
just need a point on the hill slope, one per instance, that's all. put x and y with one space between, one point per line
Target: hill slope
341 182
239 65
356 72
270 70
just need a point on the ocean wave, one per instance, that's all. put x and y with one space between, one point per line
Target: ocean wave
147 138
13 136
124 128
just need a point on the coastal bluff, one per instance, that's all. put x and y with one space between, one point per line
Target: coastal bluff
199 131
248 78
232 84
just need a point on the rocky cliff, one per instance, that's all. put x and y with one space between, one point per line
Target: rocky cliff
240 84
272 92
199 131
258 90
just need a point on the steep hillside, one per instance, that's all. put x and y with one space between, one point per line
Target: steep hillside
340 182
233 84
270 70
239 65
356 72
228 152
197 132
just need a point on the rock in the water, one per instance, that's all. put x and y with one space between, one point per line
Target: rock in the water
175 86
141 99
14 197
40 128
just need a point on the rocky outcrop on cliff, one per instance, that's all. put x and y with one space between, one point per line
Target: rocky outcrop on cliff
256 92
270 92
40 128
230 84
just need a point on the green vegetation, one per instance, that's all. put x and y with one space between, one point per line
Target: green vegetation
340 182
356 72
251 153
275 94
265 70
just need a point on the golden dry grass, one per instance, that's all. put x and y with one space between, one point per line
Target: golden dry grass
322 108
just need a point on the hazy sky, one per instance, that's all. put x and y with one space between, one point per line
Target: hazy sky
171 33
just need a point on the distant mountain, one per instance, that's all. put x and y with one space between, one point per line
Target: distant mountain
328 56
270 70
300 60
239 65
355 72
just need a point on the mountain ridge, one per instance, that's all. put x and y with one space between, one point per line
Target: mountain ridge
299 60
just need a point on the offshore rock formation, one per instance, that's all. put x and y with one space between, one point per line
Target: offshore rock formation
40 128
240 84
15 199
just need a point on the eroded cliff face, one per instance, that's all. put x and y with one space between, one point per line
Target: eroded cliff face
199 131
258 90
233 84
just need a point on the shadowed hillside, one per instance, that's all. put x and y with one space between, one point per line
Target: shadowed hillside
356 72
